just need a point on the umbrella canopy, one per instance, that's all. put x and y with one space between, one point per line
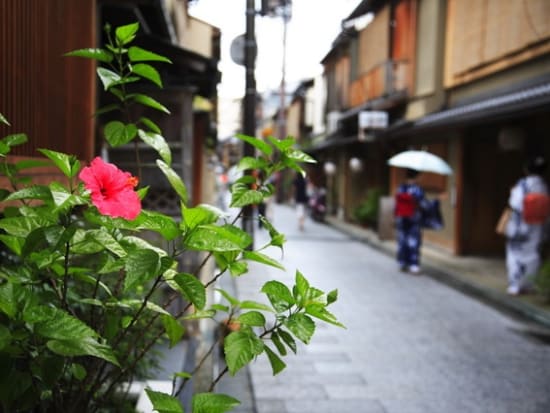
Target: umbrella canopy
421 161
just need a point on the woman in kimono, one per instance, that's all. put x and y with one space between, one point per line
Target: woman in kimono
524 240
410 201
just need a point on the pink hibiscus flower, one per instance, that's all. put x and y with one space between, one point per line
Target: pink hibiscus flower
112 189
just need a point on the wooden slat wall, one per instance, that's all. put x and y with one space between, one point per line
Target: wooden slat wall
49 97
342 80
485 36
374 42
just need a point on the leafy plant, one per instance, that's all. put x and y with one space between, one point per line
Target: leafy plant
367 211
80 309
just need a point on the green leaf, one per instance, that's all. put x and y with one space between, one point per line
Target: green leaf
15 244
253 305
278 343
183 375
217 238
332 297
174 330
141 266
219 307
22 226
15 139
65 163
78 371
11 297
213 403
238 268
150 124
4 120
200 314
232 300
299 156
106 240
137 54
125 34
149 101
240 349
288 339
279 295
277 365
192 289
63 199
36 241
5 336
108 77
257 143
164 403
96 54
148 72
158 143
252 318
117 133
130 241
151 306
302 285
282 144
199 215
262 258
174 180
301 326
243 196
319 311
107 109
249 162
33 192
30 163
158 222
84 347
54 323
4 149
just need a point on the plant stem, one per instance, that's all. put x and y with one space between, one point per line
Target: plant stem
222 373
66 276
201 363
97 381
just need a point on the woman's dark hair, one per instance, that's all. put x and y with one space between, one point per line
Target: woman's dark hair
536 165
412 173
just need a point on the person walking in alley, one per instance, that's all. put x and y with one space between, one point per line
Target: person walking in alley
409 201
300 198
525 234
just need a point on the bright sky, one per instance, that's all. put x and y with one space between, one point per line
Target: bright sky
310 33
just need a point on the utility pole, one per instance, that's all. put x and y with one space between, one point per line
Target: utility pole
249 118
285 12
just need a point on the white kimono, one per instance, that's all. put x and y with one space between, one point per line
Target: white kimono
523 240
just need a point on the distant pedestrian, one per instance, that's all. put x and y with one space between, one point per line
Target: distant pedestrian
300 198
524 239
409 200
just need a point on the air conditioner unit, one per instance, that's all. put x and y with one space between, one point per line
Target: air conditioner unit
332 121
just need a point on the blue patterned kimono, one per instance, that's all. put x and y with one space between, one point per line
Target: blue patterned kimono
409 230
523 240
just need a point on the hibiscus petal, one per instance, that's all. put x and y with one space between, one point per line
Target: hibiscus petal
111 189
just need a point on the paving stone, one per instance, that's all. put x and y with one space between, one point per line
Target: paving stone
411 344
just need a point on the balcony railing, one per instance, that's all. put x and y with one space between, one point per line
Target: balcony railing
383 79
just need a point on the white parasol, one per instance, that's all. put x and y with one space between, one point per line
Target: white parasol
421 161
